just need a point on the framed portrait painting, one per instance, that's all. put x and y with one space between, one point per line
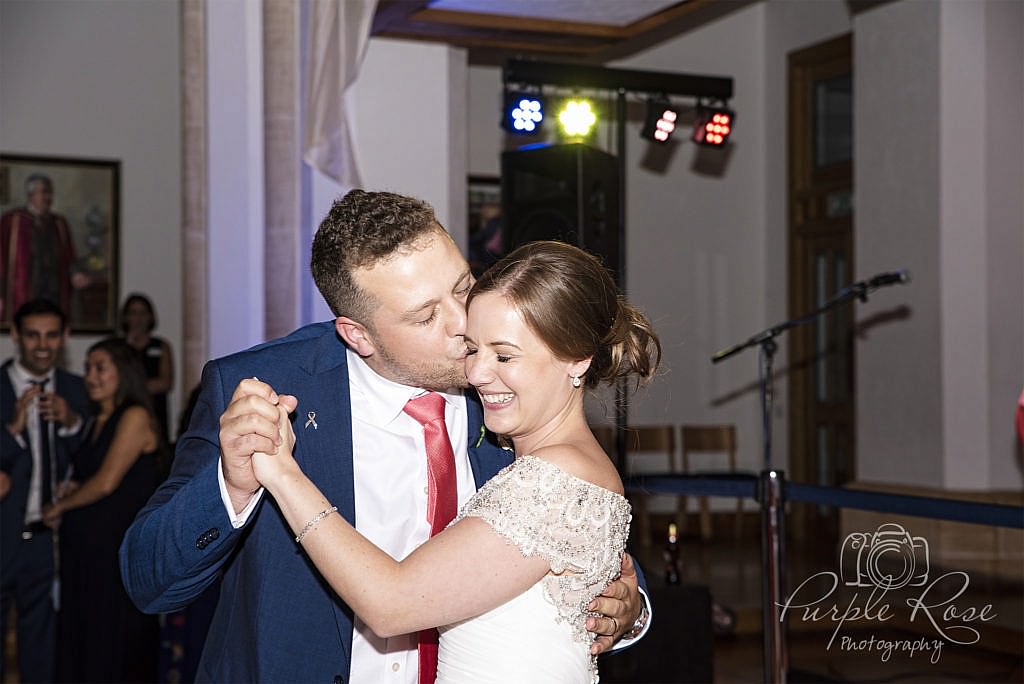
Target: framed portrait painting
59 230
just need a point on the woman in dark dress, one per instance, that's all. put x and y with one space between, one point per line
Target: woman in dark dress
138 320
102 637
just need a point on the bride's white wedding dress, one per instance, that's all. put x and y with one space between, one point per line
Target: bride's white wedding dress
540 636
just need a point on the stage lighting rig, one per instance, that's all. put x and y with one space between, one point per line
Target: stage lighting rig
660 121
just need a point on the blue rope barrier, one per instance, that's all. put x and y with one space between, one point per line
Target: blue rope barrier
995 515
746 486
737 485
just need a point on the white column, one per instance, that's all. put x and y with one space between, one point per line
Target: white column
235 143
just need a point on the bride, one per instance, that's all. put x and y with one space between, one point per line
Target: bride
510 579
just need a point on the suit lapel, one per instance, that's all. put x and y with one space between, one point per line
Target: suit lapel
485 457
323 424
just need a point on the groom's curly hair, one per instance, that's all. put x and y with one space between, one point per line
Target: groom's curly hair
362 229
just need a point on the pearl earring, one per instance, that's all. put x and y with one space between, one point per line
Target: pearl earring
576 381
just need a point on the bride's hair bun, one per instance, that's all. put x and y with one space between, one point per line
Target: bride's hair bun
570 301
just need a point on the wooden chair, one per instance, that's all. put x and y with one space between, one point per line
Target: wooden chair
718 439
645 440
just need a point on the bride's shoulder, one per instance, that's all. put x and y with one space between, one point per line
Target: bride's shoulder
586 464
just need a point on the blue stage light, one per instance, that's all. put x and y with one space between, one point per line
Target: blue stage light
524 114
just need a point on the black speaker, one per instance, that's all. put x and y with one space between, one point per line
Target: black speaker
563 192
679 646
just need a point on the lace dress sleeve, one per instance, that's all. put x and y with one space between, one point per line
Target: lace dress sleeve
578 527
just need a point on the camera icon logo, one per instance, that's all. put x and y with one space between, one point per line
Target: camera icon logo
888 558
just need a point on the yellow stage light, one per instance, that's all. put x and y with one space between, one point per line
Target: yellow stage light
577 118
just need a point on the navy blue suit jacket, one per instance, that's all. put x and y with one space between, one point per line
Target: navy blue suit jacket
16 460
277 619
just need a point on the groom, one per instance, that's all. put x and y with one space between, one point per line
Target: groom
277 620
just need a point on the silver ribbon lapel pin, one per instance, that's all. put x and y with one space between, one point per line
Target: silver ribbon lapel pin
312 419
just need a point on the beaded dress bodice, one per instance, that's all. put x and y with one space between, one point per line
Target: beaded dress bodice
579 528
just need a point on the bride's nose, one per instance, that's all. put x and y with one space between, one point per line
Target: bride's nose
478 371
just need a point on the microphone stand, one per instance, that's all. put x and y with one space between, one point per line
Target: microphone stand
770 492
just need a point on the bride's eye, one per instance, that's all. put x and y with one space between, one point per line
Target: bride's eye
503 358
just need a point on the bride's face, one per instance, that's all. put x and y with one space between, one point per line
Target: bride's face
524 388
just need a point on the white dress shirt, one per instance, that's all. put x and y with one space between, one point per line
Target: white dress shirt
390 465
20 380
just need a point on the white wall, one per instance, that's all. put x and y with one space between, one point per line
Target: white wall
941 197
235 208
104 84
409 107
411 125
694 253
1004 177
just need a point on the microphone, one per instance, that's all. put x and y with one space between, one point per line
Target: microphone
891 278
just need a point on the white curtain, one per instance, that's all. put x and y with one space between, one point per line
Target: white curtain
339 31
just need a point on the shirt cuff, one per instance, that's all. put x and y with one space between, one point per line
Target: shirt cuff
624 642
239 520
70 431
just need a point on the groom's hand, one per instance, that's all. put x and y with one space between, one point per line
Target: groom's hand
249 424
619 607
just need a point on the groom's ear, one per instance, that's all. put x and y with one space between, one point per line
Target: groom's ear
355 334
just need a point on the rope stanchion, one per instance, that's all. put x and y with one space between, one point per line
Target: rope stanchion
774 576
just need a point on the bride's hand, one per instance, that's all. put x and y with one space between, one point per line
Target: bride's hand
272 469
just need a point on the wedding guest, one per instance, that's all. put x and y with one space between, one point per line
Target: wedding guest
41 410
102 636
138 320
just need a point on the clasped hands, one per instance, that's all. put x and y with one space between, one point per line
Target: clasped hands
257 439
52 407
251 427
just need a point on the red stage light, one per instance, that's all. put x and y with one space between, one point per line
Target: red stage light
712 126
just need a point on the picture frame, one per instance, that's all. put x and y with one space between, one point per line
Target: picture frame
486 244
81 223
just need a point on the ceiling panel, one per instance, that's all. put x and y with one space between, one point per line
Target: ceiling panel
587 30
619 13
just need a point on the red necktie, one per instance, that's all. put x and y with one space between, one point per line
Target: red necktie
442 498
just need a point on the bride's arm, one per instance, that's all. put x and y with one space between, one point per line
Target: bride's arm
463 571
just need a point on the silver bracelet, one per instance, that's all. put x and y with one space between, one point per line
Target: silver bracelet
313 523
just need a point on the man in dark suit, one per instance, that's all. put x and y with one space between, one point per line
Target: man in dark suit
41 408
393 338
